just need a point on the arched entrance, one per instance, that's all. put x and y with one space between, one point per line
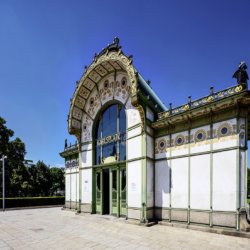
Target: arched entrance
109 143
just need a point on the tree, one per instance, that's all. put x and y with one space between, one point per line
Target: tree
57 180
15 152
21 180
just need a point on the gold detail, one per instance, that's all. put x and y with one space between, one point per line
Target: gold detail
200 131
116 59
185 107
179 140
210 99
220 94
226 125
238 88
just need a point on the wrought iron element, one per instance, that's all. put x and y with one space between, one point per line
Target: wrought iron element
111 138
72 164
203 101
241 73
70 147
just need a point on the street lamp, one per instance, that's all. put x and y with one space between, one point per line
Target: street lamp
3 157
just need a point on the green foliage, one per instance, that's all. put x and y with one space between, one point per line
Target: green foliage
33 201
21 180
248 184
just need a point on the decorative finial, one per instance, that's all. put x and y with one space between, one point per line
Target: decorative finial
211 90
241 74
116 41
148 82
189 99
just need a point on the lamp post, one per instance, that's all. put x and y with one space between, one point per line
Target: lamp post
3 173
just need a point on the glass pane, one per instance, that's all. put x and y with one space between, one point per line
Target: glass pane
109 121
122 120
109 150
123 150
98 180
99 129
98 155
123 173
114 178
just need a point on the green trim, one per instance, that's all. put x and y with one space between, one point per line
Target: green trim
237 175
133 127
197 210
80 180
135 208
71 173
196 123
211 174
246 159
170 178
200 153
86 143
134 136
86 150
89 167
189 175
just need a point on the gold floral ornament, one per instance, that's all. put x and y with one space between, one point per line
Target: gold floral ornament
224 129
162 145
238 88
200 135
179 140
185 107
210 99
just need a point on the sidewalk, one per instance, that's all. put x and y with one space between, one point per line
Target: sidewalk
52 228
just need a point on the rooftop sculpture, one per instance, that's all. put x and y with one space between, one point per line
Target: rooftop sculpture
241 73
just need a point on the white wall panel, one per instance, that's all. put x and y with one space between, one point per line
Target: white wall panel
67 187
242 132
220 142
86 186
73 187
150 184
178 150
200 182
86 158
134 132
77 187
242 177
150 146
134 147
87 146
179 183
162 151
200 146
162 185
149 114
132 115
134 184
224 181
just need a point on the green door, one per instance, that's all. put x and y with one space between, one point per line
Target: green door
98 192
123 208
114 193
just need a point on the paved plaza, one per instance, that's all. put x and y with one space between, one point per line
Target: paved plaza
53 228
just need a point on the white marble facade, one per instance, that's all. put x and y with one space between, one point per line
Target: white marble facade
202 169
191 175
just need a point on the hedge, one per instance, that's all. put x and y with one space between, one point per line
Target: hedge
32 201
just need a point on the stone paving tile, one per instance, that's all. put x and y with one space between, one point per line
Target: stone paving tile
52 228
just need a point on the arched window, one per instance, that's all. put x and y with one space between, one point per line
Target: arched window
110 139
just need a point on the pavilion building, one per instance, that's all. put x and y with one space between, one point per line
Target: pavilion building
138 159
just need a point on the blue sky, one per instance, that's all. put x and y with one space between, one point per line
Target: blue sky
183 47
